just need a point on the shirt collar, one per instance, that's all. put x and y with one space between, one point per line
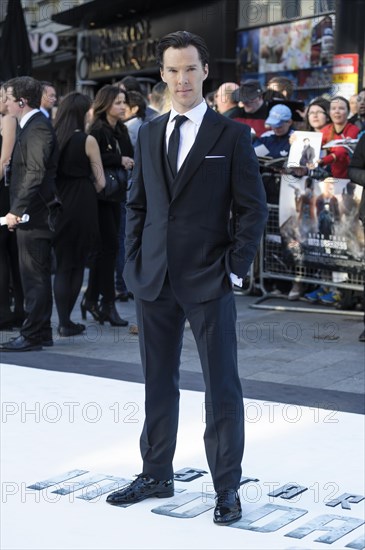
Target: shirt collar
26 117
196 114
44 111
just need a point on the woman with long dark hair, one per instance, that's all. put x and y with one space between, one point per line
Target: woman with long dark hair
116 151
80 176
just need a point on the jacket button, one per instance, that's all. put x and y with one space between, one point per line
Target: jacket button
171 218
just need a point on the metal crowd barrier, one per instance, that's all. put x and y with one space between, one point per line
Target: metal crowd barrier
272 265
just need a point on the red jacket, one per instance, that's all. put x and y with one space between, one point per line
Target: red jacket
340 162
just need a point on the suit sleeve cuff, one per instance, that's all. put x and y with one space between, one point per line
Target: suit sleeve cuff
237 281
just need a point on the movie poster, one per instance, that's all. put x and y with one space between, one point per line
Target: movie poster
319 223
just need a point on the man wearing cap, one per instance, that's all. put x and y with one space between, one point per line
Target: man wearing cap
276 141
254 109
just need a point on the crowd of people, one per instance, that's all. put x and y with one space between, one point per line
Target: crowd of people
89 136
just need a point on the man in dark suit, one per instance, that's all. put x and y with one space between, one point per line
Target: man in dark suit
32 186
308 153
181 256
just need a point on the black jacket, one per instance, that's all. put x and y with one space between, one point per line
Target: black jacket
106 136
33 171
189 234
356 172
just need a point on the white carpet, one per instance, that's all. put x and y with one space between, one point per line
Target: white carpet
55 422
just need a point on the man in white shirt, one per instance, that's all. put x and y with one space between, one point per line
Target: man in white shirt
32 188
49 98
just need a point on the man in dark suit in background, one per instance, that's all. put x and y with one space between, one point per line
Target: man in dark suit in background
32 188
181 258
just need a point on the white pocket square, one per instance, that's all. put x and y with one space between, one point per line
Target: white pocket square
215 157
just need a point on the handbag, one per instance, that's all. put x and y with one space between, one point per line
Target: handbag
116 181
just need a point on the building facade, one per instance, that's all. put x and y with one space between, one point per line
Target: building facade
83 44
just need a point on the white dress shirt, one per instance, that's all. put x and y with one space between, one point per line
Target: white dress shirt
26 117
188 130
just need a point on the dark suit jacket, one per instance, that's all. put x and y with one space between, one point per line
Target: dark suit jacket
308 155
356 172
190 234
33 171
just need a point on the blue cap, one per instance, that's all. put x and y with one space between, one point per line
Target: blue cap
278 114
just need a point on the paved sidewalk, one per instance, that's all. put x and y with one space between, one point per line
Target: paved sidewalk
298 357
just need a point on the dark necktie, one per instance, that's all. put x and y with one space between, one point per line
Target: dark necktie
174 142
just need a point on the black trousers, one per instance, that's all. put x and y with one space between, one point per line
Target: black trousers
161 327
34 249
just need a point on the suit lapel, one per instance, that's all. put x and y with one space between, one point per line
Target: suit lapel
157 145
209 131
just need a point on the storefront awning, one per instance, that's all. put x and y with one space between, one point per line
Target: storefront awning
99 13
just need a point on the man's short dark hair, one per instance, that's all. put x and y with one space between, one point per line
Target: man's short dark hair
179 40
283 83
130 83
46 84
26 87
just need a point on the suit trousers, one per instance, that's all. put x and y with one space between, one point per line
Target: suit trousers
161 329
34 249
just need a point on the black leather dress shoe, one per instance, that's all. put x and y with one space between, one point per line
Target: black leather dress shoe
21 344
143 487
362 336
227 508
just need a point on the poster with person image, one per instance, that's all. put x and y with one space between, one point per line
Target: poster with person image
319 223
305 149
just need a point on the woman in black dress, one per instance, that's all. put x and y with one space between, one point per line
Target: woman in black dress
116 151
79 177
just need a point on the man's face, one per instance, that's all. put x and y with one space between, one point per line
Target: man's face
283 128
49 98
328 189
223 98
361 103
12 105
184 75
